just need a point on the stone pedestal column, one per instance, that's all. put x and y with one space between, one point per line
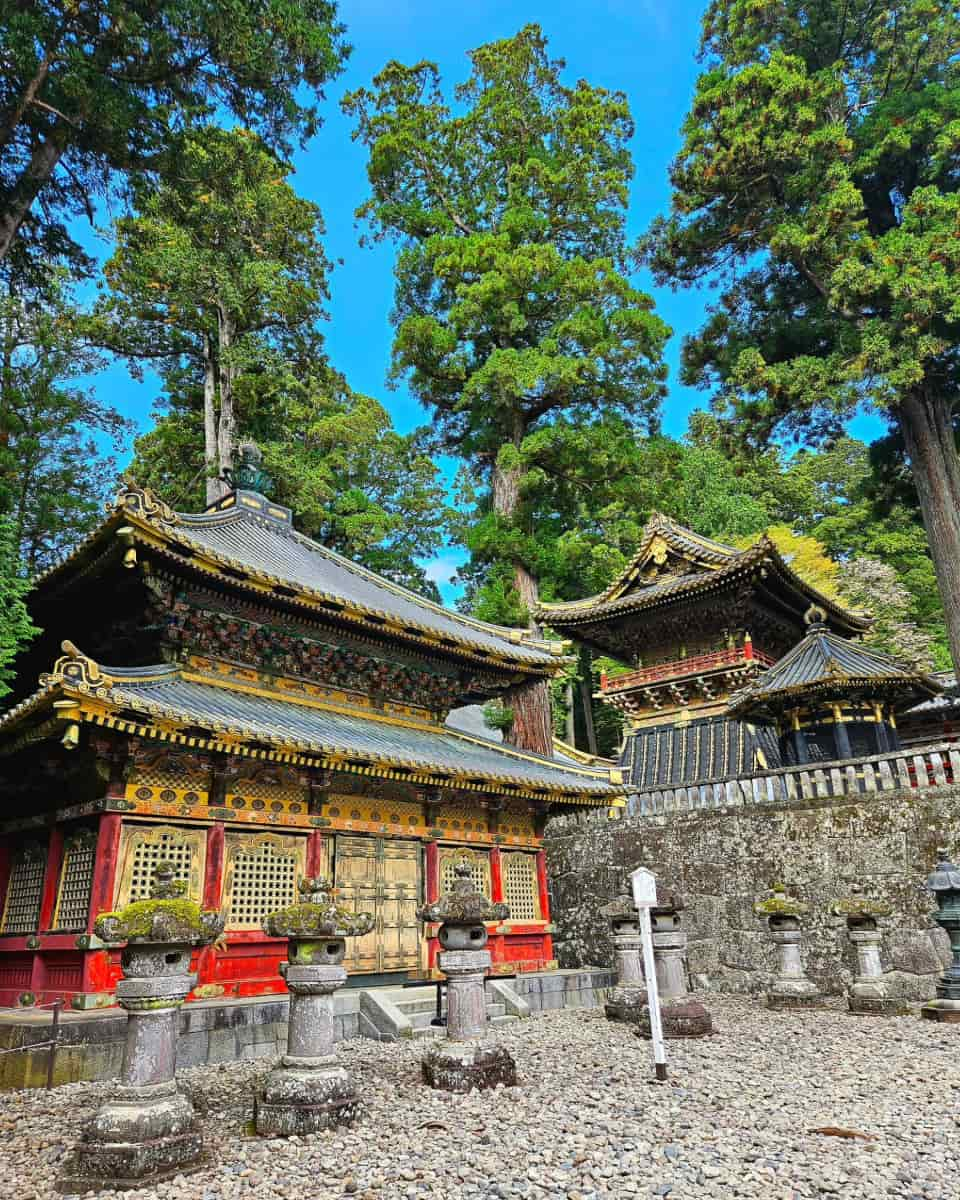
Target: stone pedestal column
308 1091
468 1058
791 989
147 1131
681 1016
868 993
626 1000
944 883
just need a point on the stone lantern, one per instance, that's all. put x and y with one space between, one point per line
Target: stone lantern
147 1131
868 992
468 1058
680 1016
630 994
944 882
308 1091
791 988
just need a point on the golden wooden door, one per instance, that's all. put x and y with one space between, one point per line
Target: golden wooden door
381 876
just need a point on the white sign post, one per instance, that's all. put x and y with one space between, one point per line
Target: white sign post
644 884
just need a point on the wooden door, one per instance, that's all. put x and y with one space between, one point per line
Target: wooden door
381 876
400 940
356 883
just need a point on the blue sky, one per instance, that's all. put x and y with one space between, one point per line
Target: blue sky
644 47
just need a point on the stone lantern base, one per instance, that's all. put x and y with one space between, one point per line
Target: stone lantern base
945 1011
794 1001
679 1018
139 1138
625 1003
881 1006
463 1066
305 1096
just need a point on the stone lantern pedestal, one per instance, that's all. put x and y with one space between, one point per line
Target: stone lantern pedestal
944 882
868 993
309 1091
791 989
627 999
468 1058
147 1131
680 1015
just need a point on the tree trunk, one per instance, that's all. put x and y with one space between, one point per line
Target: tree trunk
586 695
532 728
925 420
9 123
214 486
227 427
570 732
34 175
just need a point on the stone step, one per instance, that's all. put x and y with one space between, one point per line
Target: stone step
422 1020
506 1019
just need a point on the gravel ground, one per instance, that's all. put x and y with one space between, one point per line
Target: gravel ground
736 1118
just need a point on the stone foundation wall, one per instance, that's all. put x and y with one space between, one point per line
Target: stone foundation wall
722 860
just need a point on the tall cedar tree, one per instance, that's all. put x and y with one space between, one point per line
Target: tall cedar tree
513 314
218 270
96 88
819 178
333 456
16 629
56 465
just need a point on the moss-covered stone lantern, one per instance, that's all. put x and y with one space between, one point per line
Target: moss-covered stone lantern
868 992
791 988
680 1015
468 1058
944 882
630 994
308 1091
147 1131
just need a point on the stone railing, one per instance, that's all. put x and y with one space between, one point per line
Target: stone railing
897 770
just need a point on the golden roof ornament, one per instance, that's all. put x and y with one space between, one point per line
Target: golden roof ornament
142 502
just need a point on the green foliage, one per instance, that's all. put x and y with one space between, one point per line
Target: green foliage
90 91
818 182
353 482
218 280
16 629
497 715
873 587
515 323
55 467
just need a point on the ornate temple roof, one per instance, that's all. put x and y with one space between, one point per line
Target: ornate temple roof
250 544
207 711
674 564
825 664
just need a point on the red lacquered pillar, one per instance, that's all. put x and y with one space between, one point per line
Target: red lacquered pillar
51 878
496 875
212 896
98 976
316 858
105 867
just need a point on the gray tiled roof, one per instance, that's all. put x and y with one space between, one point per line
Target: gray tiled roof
277 549
161 691
823 659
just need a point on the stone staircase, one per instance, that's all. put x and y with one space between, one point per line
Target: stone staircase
389 1014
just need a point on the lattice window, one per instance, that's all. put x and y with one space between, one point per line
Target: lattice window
520 889
479 869
143 846
21 913
262 874
76 881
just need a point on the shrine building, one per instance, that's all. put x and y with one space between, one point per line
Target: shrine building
218 691
733 664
